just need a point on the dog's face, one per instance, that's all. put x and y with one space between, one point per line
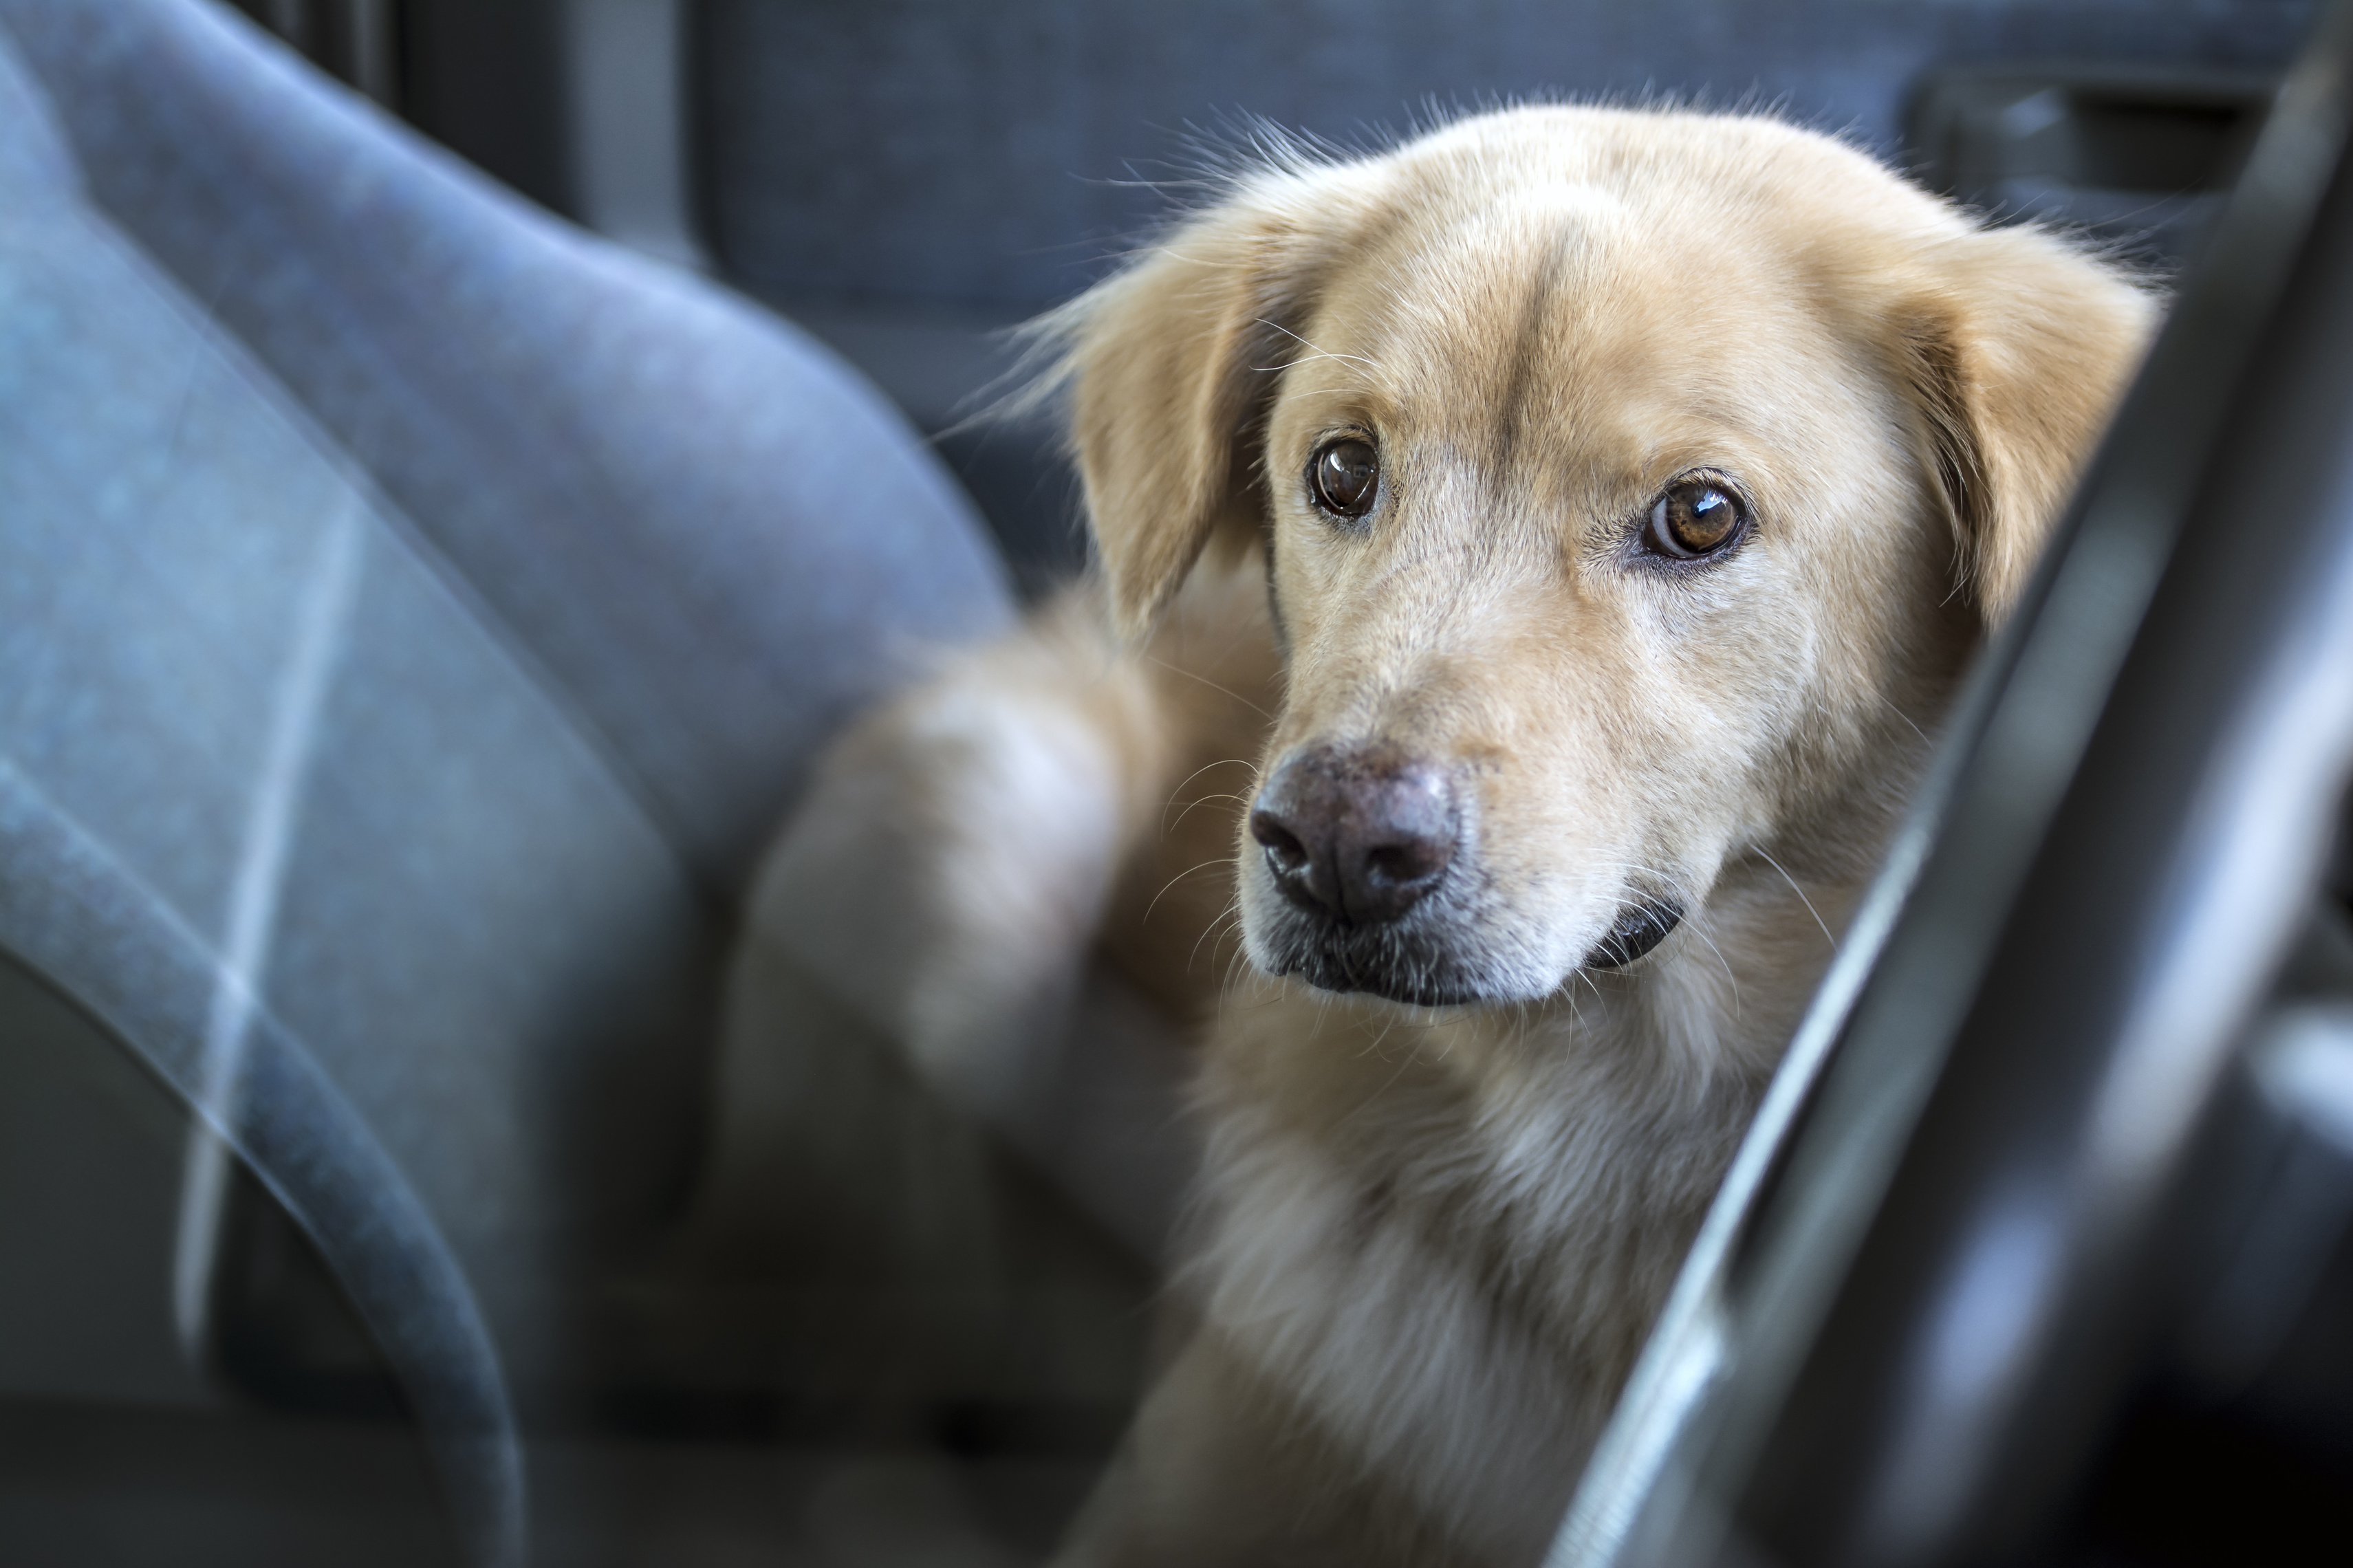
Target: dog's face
1631 486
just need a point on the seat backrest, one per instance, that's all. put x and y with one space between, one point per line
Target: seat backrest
412 613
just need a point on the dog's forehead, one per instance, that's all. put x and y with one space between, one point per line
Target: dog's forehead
1638 323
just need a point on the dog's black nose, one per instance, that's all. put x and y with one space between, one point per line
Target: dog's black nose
1356 838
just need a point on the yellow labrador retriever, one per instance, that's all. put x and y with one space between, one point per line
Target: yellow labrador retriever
1534 561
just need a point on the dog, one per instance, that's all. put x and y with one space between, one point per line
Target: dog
1534 561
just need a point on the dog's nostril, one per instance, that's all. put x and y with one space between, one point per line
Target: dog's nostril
1283 846
1410 861
1392 874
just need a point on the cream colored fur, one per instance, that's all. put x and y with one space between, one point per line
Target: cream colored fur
1432 1238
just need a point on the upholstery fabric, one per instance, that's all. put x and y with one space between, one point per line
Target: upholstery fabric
714 538
845 140
412 615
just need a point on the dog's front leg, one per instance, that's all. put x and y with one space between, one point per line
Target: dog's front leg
940 892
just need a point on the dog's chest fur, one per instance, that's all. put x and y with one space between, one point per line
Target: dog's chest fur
1445 1235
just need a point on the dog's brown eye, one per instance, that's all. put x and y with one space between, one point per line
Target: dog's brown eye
1693 518
1346 476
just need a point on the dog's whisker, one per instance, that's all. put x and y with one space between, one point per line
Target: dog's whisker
1801 898
1197 772
1699 929
1230 982
1188 872
1205 680
1201 800
1228 920
1892 708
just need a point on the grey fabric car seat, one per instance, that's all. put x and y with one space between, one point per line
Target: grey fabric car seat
412 613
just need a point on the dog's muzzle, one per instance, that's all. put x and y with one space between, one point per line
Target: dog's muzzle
1364 847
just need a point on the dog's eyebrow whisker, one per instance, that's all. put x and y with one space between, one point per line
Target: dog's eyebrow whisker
1352 391
1356 388
1801 898
1323 354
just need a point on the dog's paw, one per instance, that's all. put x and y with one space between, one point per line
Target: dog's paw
945 877
939 895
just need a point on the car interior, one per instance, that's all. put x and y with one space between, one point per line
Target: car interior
461 460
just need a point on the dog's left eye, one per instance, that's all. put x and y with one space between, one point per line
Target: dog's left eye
1346 476
1693 518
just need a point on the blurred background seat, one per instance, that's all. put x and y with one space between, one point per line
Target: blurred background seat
413 614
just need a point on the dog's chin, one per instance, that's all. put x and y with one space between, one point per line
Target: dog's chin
1414 967
1411 967
1328 971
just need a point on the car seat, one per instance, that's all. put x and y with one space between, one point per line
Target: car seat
413 614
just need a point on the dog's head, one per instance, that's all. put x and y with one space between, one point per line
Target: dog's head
1629 484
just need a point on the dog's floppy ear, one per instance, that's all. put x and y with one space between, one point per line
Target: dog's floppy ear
2015 353
1171 364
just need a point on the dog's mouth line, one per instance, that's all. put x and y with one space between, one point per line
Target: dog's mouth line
1638 929
1414 995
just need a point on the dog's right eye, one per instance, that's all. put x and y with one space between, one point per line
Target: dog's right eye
1345 477
1692 519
